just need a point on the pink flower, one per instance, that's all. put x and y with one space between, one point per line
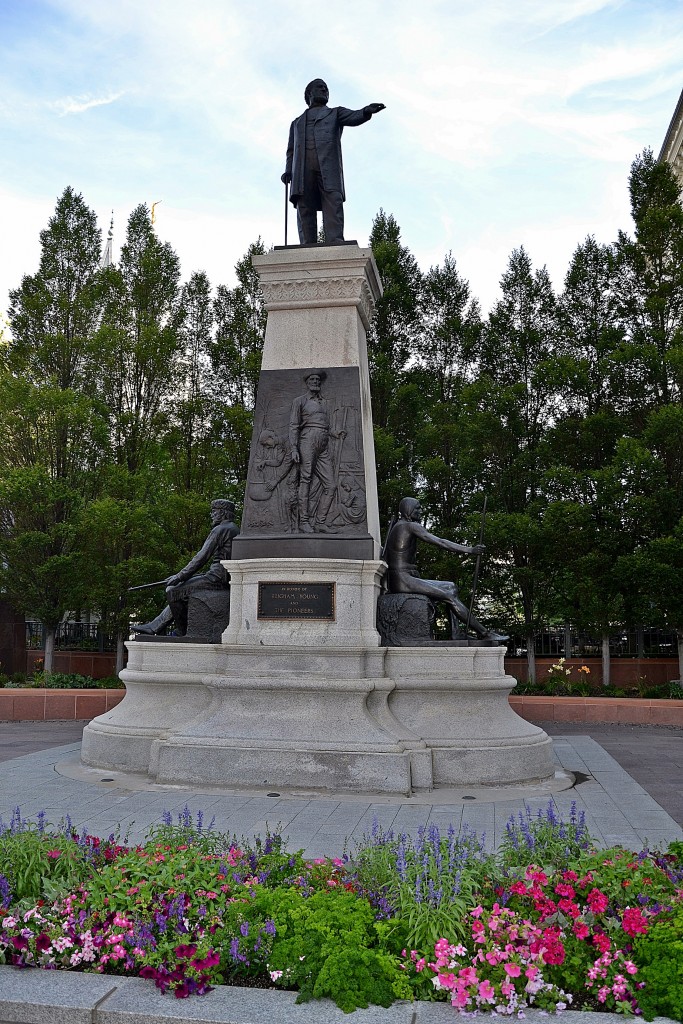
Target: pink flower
580 929
486 991
602 994
562 889
460 998
519 888
513 970
477 912
54 854
468 976
630 967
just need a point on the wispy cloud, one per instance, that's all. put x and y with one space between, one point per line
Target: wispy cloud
78 104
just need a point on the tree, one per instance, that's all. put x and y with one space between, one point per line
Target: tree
513 402
391 343
140 342
189 440
240 317
585 535
52 428
650 295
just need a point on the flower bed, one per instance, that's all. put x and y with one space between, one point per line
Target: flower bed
549 922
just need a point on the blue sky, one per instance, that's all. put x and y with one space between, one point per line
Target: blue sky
506 124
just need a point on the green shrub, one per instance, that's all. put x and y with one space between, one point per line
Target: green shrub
4 679
67 681
329 945
660 958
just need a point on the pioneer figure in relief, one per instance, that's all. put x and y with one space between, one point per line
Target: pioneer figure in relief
310 431
400 553
216 548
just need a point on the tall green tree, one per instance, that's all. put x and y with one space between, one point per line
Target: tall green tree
189 440
52 428
448 469
512 405
240 318
585 536
650 295
395 394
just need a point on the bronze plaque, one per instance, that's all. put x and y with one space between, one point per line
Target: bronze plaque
296 601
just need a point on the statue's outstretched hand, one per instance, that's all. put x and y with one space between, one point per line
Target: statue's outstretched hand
286 178
374 108
478 549
173 581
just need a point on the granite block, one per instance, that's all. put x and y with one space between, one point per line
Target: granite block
141 1003
33 996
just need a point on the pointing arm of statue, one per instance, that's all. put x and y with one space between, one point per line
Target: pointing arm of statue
374 108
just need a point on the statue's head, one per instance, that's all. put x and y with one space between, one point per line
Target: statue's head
314 378
409 508
268 438
222 509
316 93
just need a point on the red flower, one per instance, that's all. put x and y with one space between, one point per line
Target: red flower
212 959
562 889
633 922
581 929
569 908
54 854
185 952
43 942
601 941
597 901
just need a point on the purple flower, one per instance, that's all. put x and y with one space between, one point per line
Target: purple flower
269 927
244 928
5 893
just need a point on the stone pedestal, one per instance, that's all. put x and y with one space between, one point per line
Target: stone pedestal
300 717
320 302
354 589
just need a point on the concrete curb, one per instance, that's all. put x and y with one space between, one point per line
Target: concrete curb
32 996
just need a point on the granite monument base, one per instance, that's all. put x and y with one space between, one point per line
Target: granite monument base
317 717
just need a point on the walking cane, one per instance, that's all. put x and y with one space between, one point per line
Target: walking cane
476 568
286 208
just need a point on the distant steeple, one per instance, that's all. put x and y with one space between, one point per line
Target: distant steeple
107 258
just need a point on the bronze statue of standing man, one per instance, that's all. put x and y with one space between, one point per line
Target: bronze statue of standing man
314 163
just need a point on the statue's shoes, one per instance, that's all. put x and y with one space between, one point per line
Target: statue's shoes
306 528
497 638
142 627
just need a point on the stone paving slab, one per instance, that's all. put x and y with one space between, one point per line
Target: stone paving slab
617 808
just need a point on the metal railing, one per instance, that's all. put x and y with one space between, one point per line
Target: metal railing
71 636
624 642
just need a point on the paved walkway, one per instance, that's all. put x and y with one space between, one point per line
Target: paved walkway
617 806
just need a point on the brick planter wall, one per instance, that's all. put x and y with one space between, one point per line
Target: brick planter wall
42 705
624 711
33 705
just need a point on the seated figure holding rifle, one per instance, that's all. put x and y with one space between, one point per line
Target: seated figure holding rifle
216 548
400 552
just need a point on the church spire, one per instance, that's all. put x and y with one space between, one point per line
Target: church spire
107 258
